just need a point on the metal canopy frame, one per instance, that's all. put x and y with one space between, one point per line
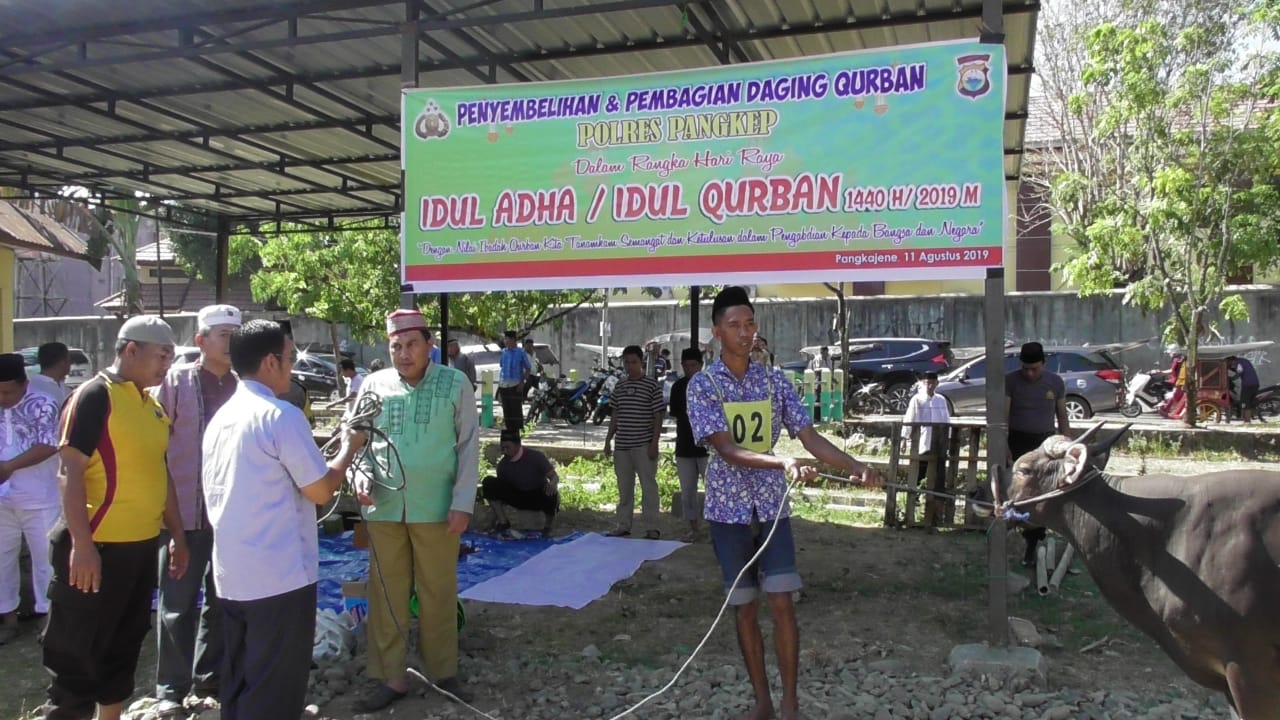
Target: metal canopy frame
268 112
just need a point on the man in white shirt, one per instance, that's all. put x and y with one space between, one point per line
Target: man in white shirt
926 408
28 488
55 366
263 477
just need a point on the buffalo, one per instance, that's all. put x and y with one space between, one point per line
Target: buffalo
1190 561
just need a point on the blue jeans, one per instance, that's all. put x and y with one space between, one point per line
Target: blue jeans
773 572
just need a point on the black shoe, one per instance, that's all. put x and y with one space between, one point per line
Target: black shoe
452 686
377 699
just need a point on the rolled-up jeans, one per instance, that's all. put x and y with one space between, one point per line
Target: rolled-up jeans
690 470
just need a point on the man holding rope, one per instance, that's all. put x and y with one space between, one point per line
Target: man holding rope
424 463
739 408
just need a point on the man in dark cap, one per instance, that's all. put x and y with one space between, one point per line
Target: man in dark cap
1034 399
739 407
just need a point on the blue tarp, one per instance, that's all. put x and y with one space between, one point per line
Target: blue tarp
341 562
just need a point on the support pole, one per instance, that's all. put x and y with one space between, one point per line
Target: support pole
408 80
695 340
222 252
997 423
997 449
444 328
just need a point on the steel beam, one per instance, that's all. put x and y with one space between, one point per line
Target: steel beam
177 116
424 25
513 59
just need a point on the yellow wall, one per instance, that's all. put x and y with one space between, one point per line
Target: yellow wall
8 295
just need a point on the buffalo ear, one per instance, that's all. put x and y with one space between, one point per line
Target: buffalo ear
1074 462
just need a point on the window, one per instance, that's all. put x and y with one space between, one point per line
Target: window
1077 362
486 357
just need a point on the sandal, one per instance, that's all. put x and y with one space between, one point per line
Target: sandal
618 532
652 535
377 699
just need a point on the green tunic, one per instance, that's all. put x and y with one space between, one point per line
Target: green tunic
435 428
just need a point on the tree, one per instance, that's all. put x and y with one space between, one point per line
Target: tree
193 237
1187 190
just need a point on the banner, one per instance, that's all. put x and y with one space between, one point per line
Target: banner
876 165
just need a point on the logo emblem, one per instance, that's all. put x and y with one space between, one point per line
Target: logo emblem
432 123
974 75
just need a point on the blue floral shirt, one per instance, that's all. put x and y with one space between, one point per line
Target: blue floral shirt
734 493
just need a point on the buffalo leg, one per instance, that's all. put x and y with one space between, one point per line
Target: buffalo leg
1254 697
1032 536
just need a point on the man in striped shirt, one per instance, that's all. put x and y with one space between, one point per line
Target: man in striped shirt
637 422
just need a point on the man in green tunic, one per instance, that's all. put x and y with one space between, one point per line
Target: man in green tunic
416 509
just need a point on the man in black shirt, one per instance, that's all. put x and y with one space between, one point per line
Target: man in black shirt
691 458
526 480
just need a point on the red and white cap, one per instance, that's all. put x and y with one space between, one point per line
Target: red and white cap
405 320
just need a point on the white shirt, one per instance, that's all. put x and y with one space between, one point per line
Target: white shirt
924 409
32 421
47 385
353 384
258 450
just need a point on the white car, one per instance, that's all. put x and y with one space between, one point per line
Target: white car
489 357
81 365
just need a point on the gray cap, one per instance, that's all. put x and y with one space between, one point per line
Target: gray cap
147 329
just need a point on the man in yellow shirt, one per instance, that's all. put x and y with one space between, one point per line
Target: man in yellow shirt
116 493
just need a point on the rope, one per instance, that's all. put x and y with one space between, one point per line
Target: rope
368 408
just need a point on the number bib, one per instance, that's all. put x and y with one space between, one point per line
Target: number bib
751 424
750 421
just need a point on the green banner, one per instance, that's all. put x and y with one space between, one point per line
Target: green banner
876 165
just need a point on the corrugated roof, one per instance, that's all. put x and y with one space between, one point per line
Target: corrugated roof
262 110
26 229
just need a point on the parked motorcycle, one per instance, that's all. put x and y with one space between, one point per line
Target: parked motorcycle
1267 403
559 400
1145 393
603 410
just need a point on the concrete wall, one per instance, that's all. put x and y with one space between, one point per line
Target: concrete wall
1052 318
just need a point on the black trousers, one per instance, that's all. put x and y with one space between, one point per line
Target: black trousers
512 408
1021 443
92 641
267 657
492 489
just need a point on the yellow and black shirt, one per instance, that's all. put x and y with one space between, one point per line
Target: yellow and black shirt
125 433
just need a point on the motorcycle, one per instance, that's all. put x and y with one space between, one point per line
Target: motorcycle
603 409
559 401
1267 402
1146 392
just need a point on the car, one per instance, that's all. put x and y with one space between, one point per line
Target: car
489 356
81 365
895 362
1093 378
318 374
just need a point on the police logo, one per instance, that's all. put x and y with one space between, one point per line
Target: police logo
432 123
974 75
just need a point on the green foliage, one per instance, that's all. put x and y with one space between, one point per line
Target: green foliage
193 237
1187 193
349 277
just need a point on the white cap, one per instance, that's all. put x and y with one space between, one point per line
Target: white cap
215 315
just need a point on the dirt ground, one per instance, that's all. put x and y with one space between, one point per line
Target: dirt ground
908 595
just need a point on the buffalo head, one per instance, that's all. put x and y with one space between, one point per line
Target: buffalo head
1057 465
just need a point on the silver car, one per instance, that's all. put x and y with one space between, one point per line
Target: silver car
1094 381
